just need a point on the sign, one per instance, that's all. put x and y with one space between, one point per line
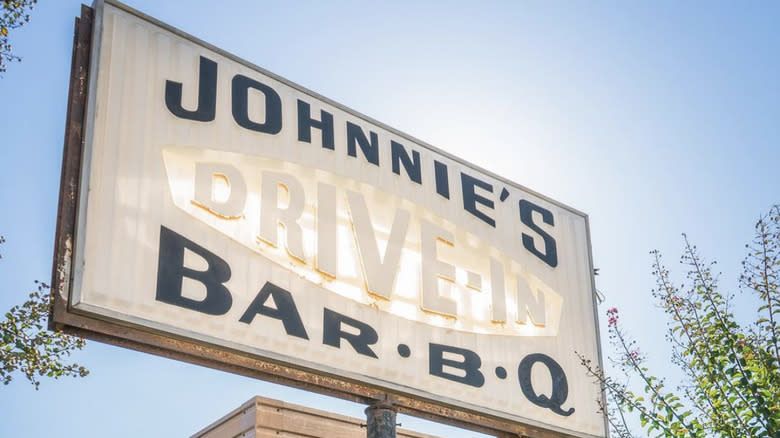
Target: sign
228 208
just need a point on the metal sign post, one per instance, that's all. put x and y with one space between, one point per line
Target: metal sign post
380 420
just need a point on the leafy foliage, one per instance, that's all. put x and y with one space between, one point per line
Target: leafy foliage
27 346
732 371
15 13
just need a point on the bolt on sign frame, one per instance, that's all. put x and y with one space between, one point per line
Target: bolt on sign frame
213 212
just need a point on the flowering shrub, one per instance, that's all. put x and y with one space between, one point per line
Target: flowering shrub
732 369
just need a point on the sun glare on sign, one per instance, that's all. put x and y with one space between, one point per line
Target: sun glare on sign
372 250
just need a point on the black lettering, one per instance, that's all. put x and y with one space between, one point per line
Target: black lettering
207 94
332 334
305 123
370 150
285 310
171 271
470 365
550 254
411 164
442 179
560 387
273 105
471 198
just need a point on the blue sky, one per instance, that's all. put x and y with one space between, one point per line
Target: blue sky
654 118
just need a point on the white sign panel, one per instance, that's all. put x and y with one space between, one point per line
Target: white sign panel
225 205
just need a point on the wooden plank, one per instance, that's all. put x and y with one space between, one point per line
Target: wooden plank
71 164
265 417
